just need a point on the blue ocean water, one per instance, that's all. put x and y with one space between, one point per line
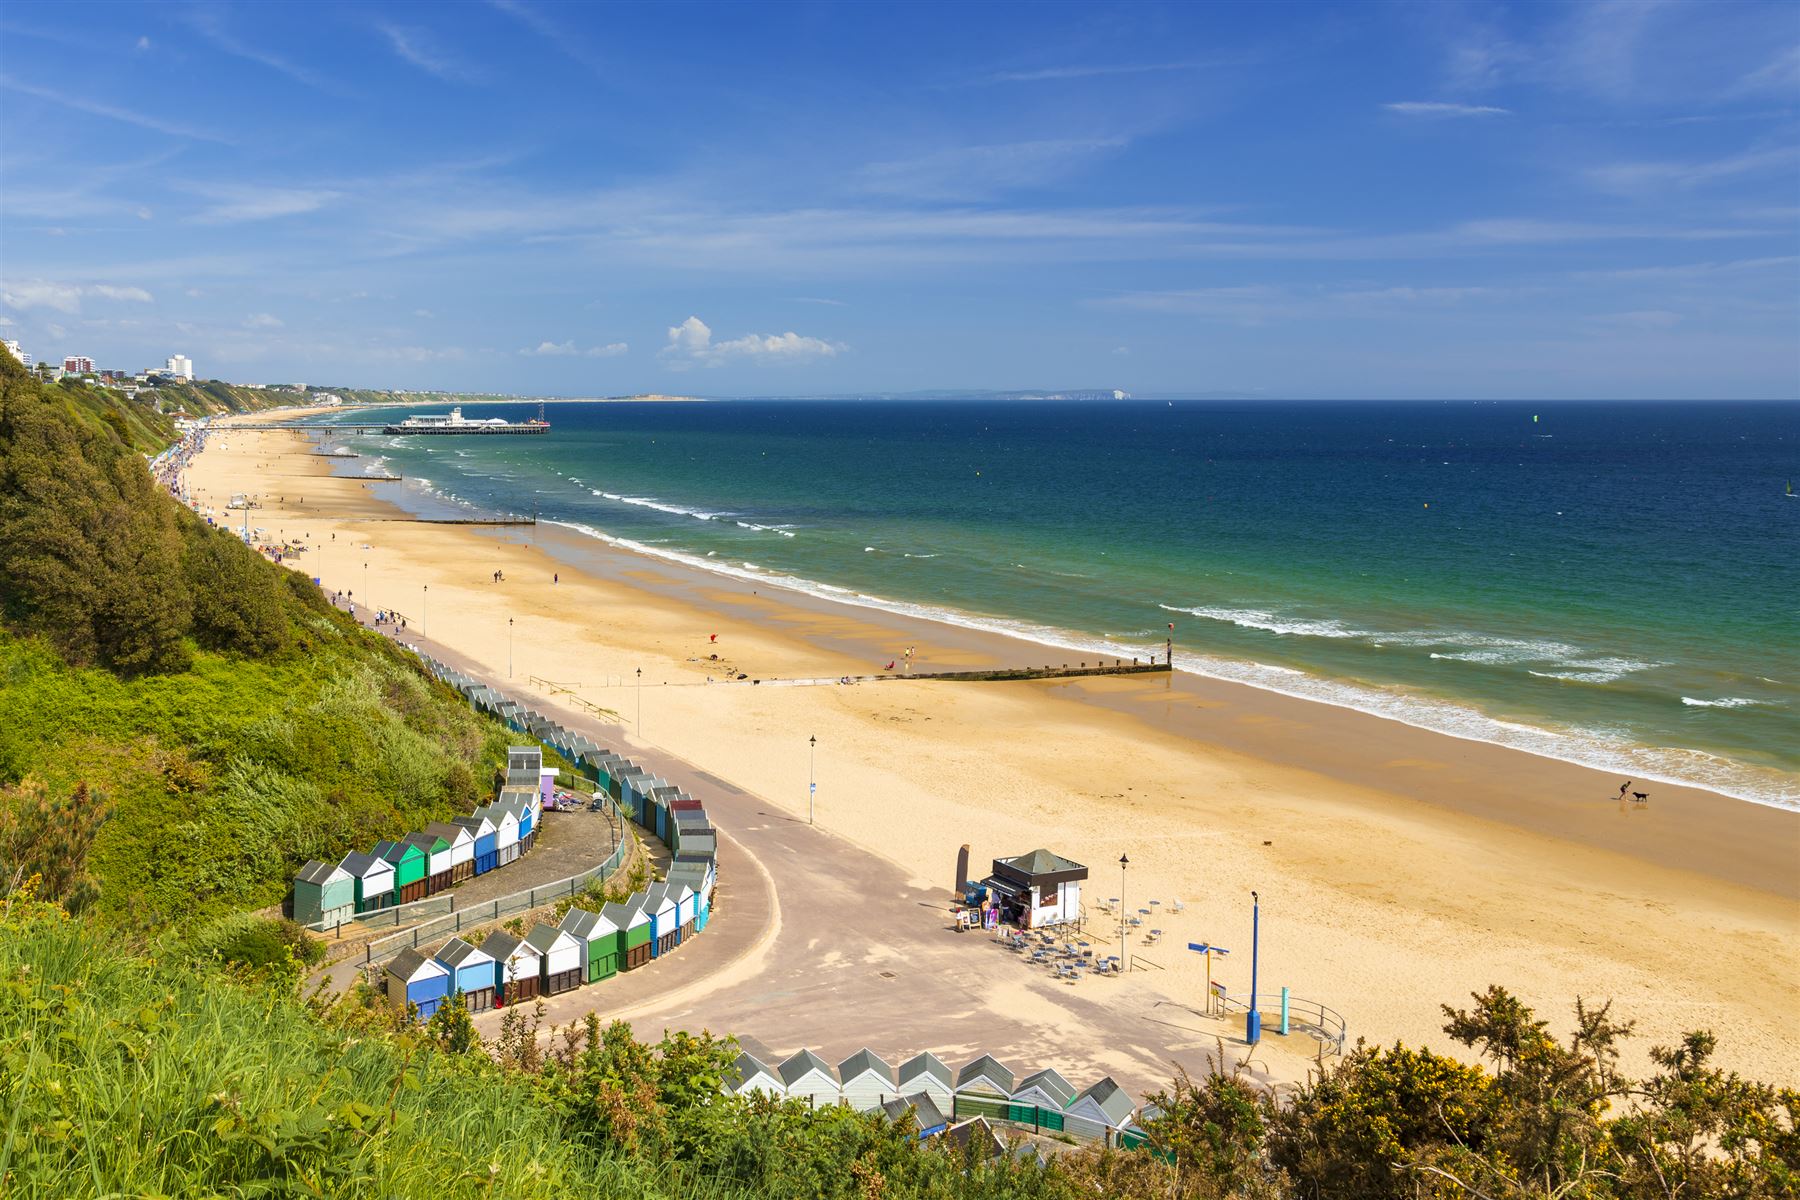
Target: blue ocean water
1610 583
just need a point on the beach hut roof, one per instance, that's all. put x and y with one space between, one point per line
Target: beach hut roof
397 852
544 938
428 841
926 1065
1050 1082
1040 867
978 1131
863 1061
364 865
585 924
412 966
1109 1098
501 945
320 873
458 953
989 1068
800 1064
922 1107
745 1067
625 914
476 824
689 874
451 833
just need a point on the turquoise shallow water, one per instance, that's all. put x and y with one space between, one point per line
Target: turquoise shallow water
1613 584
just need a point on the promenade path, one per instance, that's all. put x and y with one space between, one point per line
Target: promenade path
817 942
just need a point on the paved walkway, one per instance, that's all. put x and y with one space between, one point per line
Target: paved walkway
817 942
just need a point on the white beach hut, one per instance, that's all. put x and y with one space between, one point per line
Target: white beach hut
806 1076
750 1074
559 955
1098 1112
928 1073
865 1079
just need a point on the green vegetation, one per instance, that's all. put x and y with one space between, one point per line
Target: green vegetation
226 721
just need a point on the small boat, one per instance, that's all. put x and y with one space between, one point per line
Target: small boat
1790 491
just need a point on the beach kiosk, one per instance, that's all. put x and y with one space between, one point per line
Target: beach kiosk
806 1076
462 848
373 877
472 973
984 1088
437 860
927 1074
917 1109
482 829
559 957
866 1080
412 979
750 1074
506 832
1098 1112
599 939
324 895
409 864
1039 1100
518 967
1037 889
665 931
633 923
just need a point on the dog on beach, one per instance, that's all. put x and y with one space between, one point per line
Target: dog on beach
1640 797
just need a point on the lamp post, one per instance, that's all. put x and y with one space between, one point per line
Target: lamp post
812 779
1253 1018
424 606
640 690
366 599
509 645
1124 960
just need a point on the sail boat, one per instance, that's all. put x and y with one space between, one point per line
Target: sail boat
1790 491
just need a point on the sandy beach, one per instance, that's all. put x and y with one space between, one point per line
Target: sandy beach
1398 869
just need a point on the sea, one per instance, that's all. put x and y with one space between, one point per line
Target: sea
1614 584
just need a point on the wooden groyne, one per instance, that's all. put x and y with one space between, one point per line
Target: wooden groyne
1117 667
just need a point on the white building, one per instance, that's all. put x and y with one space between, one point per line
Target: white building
180 366
12 348
1037 889
77 364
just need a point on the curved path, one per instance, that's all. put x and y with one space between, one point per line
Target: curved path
817 942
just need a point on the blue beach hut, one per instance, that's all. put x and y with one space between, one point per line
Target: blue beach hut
487 839
412 979
473 972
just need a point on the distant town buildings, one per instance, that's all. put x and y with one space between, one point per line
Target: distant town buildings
180 366
77 364
12 348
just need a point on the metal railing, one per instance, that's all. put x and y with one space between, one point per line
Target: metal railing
1326 1025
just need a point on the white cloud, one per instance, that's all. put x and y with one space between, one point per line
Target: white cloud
691 344
1090 72
262 321
1440 108
569 349
7 322
978 170
143 43
263 204
1653 178
418 48
67 297
1122 351
111 112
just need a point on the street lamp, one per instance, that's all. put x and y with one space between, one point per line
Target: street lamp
812 783
1124 959
366 583
424 606
640 687
1253 1019
509 644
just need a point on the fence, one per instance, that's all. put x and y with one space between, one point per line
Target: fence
1307 1016
457 920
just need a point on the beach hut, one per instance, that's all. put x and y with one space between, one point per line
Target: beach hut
324 895
698 847
506 832
685 825
926 1074
462 848
486 852
866 1080
518 967
559 955
413 979
918 1110
1038 889
522 801
984 1087
634 926
750 1074
523 764
410 864
977 1133
1098 1112
599 939
602 763
437 860
473 972
373 877
1039 1100
806 1076
665 931
687 902
693 877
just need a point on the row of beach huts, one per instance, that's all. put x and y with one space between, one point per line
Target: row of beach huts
935 1097
586 946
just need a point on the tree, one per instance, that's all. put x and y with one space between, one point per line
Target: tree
48 839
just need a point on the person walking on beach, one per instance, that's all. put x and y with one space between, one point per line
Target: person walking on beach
1623 788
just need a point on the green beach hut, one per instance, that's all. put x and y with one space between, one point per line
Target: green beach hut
634 926
599 939
324 895
410 864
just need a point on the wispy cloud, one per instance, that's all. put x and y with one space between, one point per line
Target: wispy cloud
1780 74
419 48
968 171
1653 178
569 45
690 345
569 349
817 300
209 23
262 321
66 297
112 112
1443 108
262 204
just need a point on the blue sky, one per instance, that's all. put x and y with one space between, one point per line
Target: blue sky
1410 199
